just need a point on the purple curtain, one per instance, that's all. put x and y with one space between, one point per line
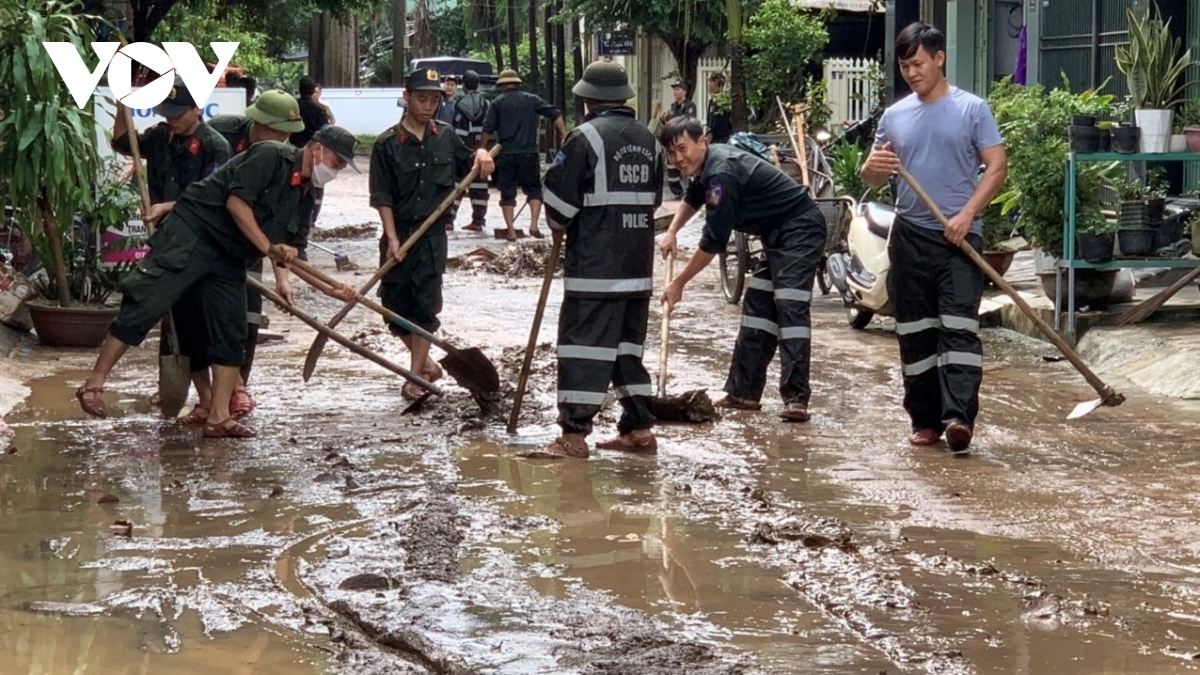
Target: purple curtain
1019 76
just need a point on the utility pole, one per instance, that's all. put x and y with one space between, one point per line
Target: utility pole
737 80
399 38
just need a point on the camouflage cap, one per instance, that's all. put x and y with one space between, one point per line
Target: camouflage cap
423 79
277 110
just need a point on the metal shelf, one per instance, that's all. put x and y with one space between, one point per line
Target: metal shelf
1136 157
1121 263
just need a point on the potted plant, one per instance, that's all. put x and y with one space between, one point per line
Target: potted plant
1187 124
48 156
997 228
1154 64
1141 202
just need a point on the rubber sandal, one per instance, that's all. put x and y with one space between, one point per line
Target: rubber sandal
411 391
958 436
197 416
560 448
474 227
537 235
924 437
627 442
241 403
230 428
738 403
92 406
795 412
433 372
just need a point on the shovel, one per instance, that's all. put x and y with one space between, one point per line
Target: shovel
341 260
469 367
318 345
1108 397
174 369
694 406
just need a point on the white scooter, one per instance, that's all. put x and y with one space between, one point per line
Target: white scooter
860 271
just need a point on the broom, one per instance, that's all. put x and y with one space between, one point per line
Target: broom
1145 308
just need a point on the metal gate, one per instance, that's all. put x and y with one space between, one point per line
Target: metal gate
1079 40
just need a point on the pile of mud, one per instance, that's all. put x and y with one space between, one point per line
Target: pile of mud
359 231
516 260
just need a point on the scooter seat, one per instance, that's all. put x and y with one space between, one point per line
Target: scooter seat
879 218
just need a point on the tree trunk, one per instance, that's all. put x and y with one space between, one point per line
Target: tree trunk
560 72
494 31
548 43
318 35
577 52
534 80
399 37
687 55
512 36
333 51
737 81
50 228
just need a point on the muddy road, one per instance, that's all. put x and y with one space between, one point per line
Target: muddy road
347 538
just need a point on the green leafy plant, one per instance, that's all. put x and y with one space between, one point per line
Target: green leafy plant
1187 115
845 162
997 226
779 38
1135 189
48 157
1154 62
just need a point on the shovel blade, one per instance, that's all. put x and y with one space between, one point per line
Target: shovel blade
174 379
1085 408
472 370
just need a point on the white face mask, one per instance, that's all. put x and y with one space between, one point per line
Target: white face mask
323 175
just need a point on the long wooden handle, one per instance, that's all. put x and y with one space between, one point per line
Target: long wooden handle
337 337
314 352
316 278
802 150
1107 394
665 341
1147 307
551 265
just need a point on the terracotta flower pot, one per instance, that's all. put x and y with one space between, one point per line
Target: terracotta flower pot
999 260
80 327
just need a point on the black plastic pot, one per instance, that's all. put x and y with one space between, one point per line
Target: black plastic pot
1105 136
1125 139
1143 213
1136 242
1084 140
1083 120
1094 248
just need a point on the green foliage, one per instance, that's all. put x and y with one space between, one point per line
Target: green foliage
1187 115
1034 122
48 158
781 40
816 103
1134 189
1154 62
199 23
996 226
845 162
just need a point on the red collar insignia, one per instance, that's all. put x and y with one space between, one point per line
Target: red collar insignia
194 147
241 145
297 179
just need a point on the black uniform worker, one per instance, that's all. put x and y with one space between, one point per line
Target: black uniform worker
218 224
602 192
469 115
720 122
414 166
512 121
179 152
682 106
745 193
446 110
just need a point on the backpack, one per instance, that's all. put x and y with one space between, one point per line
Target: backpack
479 105
748 142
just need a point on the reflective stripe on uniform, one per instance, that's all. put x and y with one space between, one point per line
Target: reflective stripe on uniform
634 390
608 285
914 369
581 397
606 198
555 202
479 186
591 353
630 349
795 333
462 132
910 327
760 284
961 359
476 130
960 323
760 324
479 202
793 294
600 171
253 318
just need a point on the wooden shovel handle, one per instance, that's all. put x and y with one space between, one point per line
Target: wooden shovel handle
665 341
1107 394
527 364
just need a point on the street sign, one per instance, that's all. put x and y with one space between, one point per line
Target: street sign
616 44
842 5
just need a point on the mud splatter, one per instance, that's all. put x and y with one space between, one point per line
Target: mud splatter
359 231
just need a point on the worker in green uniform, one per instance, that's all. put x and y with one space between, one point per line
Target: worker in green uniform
178 152
244 210
414 166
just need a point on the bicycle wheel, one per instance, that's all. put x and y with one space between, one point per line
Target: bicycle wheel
823 280
735 261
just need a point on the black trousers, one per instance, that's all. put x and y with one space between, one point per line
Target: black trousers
254 307
600 342
775 312
936 290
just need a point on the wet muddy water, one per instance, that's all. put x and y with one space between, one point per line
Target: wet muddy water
1054 547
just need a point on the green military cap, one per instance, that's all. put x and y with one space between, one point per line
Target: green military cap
508 76
423 79
277 110
604 81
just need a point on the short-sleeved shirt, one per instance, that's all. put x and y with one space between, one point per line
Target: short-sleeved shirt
719 123
940 143
235 129
743 193
175 162
413 176
315 116
267 177
512 121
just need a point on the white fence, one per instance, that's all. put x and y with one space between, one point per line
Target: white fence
851 92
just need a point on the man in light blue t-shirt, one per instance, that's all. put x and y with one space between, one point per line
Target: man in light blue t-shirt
942 135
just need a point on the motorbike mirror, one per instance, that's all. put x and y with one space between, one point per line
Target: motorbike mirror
823 136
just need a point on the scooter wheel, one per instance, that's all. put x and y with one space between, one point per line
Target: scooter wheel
823 279
859 318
